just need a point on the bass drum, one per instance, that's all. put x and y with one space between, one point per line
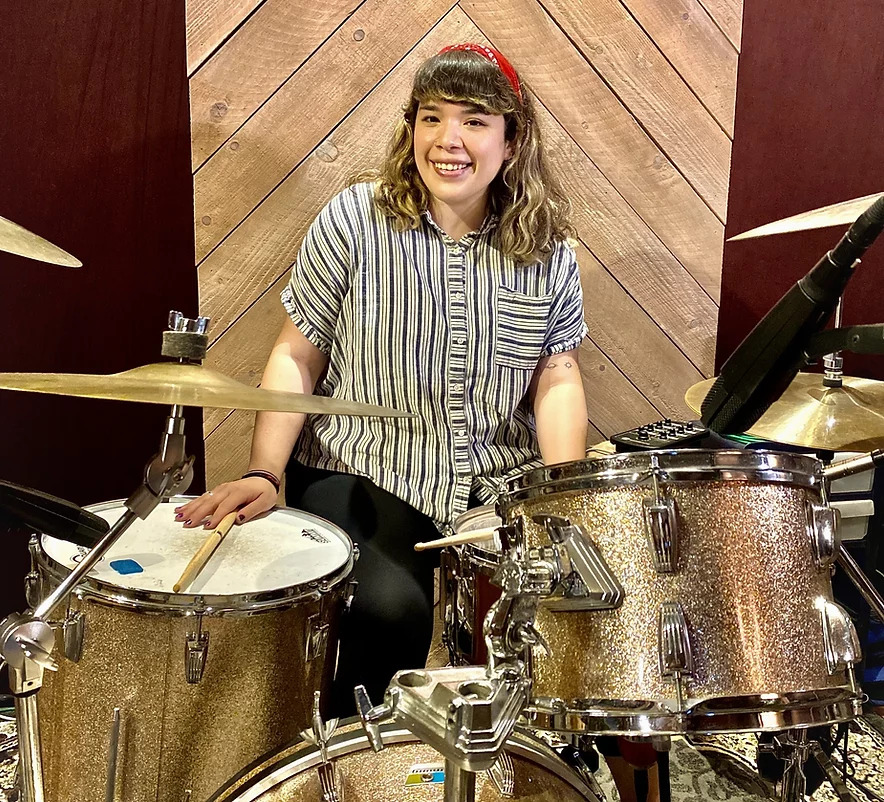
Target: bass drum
406 769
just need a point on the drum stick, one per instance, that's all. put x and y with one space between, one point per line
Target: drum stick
473 536
199 560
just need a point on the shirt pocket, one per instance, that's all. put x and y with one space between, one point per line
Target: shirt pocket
521 328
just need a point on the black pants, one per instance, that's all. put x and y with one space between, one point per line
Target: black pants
390 625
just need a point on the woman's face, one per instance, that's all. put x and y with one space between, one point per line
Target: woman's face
459 151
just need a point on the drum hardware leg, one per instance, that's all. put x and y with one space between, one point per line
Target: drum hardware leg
113 758
30 765
676 657
460 784
794 748
661 525
196 651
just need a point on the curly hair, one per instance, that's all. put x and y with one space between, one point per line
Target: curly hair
525 195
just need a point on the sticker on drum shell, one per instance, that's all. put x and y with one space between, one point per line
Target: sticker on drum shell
425 774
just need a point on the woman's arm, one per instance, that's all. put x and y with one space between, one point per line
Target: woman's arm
556 393
295 364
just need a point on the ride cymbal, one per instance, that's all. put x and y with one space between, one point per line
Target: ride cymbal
838 214
20 241
808 414
187 385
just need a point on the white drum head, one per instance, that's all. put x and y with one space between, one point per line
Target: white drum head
282 549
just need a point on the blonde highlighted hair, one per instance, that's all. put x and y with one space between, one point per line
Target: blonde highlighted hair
533 210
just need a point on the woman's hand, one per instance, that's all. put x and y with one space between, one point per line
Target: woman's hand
250 496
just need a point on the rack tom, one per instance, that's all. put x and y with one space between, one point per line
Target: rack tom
164 695
712 604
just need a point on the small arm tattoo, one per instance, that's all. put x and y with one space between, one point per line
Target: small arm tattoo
567 364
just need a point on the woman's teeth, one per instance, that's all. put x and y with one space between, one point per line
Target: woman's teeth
449 168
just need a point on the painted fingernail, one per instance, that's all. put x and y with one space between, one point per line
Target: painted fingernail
240 518
179 515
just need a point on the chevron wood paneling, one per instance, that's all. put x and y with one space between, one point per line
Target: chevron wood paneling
290 99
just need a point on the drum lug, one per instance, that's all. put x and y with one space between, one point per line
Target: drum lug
350 594
316 636
503 775
33 579
676 658
196 650
824 533
661 525
73 632
840 641
590 585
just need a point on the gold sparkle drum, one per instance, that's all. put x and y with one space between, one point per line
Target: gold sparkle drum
711 605
406 770
163 695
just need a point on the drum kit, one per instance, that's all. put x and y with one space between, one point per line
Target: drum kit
644 594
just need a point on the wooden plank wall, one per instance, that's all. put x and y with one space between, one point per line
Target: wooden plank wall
290 98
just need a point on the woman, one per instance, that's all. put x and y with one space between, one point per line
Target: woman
445 288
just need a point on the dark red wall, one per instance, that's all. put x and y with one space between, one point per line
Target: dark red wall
808 132
94 156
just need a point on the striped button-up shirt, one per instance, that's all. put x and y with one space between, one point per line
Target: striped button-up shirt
450 330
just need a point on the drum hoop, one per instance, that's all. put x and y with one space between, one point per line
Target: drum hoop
304 756
185 604
768 467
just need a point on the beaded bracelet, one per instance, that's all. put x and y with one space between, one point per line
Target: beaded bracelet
263 475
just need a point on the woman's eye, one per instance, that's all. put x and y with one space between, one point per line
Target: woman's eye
475 123
429 118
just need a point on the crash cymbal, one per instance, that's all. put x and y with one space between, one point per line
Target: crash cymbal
20 241
838 214
846 418
187 385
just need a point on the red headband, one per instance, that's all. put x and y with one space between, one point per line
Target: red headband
496 58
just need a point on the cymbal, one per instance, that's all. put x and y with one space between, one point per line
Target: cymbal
187 385
838 214
20 241
846 418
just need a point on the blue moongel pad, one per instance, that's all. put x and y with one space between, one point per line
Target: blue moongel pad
126 567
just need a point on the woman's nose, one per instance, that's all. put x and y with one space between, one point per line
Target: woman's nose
448 134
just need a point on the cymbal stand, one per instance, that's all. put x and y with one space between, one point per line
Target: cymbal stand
851 568
27 640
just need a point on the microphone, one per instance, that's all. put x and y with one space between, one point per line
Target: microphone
25 507
757 373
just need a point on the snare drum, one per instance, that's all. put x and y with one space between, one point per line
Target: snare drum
467 592
406 770
725 620
163 695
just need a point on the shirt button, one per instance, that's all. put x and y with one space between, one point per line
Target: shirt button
458 296
457 387
460 340
461 432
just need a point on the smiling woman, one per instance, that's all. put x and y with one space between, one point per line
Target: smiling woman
443 286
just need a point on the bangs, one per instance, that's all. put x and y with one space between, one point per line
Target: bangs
464 77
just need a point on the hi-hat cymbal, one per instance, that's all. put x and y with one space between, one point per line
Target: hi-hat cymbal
187 385
20 241
838 214
846 418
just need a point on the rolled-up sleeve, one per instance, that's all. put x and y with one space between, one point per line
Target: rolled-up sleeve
566 327
320 277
